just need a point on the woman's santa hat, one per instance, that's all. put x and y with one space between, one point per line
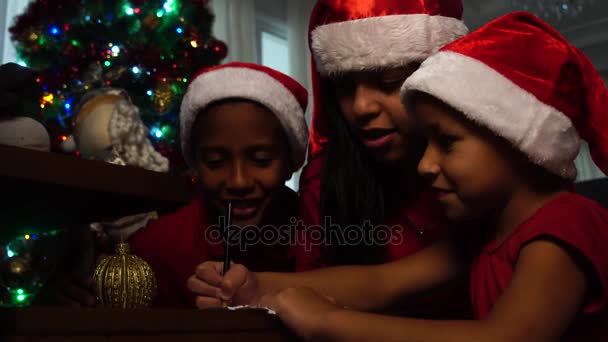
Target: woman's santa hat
362 35
521 79
281 94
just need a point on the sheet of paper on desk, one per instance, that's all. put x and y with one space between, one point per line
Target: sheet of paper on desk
251 307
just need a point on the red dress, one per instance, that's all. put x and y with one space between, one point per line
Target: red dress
176 243
422 221
572 219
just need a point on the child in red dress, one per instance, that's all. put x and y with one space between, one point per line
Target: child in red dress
363 153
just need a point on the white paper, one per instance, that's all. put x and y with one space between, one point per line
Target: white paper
251 307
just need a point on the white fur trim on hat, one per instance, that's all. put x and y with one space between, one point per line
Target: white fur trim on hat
129 138
240 82
543 133
386 41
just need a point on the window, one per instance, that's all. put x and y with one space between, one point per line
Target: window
274 52
8 11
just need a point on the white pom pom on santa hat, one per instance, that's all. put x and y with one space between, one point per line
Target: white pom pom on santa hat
281 94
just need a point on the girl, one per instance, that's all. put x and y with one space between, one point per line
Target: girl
361 144
243 132
503 132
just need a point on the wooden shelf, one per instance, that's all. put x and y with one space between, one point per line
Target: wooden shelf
42 190
75 324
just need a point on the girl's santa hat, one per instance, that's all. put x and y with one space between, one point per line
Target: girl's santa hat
281 94
521 79
356 35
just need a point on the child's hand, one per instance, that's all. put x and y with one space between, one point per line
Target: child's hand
78 291
237 287
302 309
75 289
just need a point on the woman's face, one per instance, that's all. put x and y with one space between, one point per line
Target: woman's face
370 103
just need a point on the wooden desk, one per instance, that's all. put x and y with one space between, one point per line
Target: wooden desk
75 324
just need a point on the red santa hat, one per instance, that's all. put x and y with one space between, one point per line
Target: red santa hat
356 35
521 79
281 94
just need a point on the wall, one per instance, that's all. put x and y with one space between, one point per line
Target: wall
8 10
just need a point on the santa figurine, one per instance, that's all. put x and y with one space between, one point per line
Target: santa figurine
107 127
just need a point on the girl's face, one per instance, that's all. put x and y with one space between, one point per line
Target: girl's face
242 157
371 105
471 170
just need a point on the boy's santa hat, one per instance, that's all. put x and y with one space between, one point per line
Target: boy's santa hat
362 35
521 79
281 94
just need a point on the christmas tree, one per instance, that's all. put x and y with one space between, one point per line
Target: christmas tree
149 48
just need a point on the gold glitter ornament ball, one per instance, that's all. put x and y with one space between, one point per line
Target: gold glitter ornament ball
124 280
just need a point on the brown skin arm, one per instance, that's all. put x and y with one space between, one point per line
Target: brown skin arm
546 292
357 287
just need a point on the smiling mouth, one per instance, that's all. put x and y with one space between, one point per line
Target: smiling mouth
244 209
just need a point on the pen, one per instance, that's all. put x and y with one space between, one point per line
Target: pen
226 246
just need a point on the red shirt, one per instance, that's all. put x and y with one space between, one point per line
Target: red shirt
572 219
176 243
421 221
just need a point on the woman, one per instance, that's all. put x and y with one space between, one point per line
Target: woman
361 144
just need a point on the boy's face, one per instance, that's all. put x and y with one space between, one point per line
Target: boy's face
469 168
371 106
242 157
